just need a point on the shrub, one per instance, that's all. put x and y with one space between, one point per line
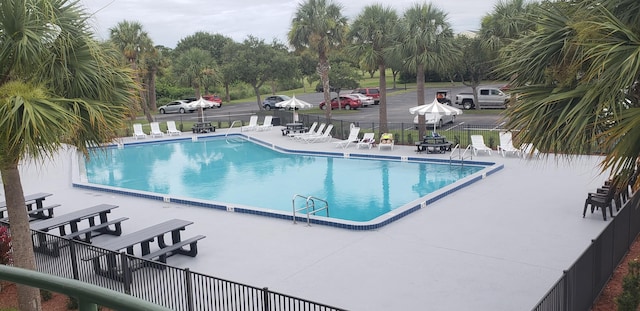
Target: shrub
72 303
45 295
6 252
630 297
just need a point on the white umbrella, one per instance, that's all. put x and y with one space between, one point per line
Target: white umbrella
201 104
435 108
294 104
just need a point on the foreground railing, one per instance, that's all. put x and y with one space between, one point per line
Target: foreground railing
581 284
89 296
170 287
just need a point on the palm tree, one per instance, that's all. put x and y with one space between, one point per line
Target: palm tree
320 26
194 67
425 38
57 87
577 76
133 42
371 37
505 23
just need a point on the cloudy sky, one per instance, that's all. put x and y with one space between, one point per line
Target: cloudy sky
168 21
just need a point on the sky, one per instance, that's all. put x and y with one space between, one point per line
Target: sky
168 21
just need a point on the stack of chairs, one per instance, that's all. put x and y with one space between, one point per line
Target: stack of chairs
610 193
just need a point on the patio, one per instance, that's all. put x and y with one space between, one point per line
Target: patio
499 244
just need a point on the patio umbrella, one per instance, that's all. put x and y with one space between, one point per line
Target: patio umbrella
201 104
435 108
294 104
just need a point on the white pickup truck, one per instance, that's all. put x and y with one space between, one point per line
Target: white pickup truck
488 97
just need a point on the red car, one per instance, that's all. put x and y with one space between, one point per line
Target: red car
214 98
346 103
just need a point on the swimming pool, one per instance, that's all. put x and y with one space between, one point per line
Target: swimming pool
253 177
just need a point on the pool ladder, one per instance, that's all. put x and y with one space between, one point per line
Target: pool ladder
310 207
226 136
461 155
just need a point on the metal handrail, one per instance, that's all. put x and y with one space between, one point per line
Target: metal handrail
461 154
89 296
309 208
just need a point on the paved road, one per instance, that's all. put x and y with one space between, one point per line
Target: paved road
398 103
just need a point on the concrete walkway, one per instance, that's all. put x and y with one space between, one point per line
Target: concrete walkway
499 244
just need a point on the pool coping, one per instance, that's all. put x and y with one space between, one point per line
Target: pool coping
79 180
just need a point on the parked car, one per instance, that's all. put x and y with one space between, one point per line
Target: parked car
177 106
372 92
214 98
488 97
207 98
443 97
364 100
345 102
438 119
271 101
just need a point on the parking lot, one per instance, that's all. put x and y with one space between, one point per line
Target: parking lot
398 103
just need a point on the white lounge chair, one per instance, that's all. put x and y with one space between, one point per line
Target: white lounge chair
312 129
155 129
528 150
367 141
325 136
386 140
311 133
477 144
137 131
506 144
253 124
266 124
171 128
353 137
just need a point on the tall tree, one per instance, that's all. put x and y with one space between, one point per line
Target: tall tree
578 77
425 39
196 68
57 87
214 44
371 37
133 42
320 26
256 63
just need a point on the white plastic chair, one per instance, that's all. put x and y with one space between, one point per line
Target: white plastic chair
266 124
155 129
353 137
477 144
367 141
386 142
137 131
171 128
253 124
506 144
325 136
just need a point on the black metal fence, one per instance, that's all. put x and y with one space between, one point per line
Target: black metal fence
580 285
171 287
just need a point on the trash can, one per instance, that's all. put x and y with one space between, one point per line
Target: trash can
275 121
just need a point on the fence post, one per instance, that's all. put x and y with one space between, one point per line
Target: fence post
126 273
74 259
265 297
189 286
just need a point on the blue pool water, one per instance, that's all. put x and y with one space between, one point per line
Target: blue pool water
254 175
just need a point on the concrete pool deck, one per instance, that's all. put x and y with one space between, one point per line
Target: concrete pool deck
499 244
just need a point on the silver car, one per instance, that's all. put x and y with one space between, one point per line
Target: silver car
364 99
179 106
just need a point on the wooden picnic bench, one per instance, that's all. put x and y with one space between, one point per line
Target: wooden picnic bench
39 211
144 237
72 220
432 144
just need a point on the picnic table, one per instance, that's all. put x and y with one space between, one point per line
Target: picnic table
98 212
203 127
432 144
39 211
295 127
144 237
